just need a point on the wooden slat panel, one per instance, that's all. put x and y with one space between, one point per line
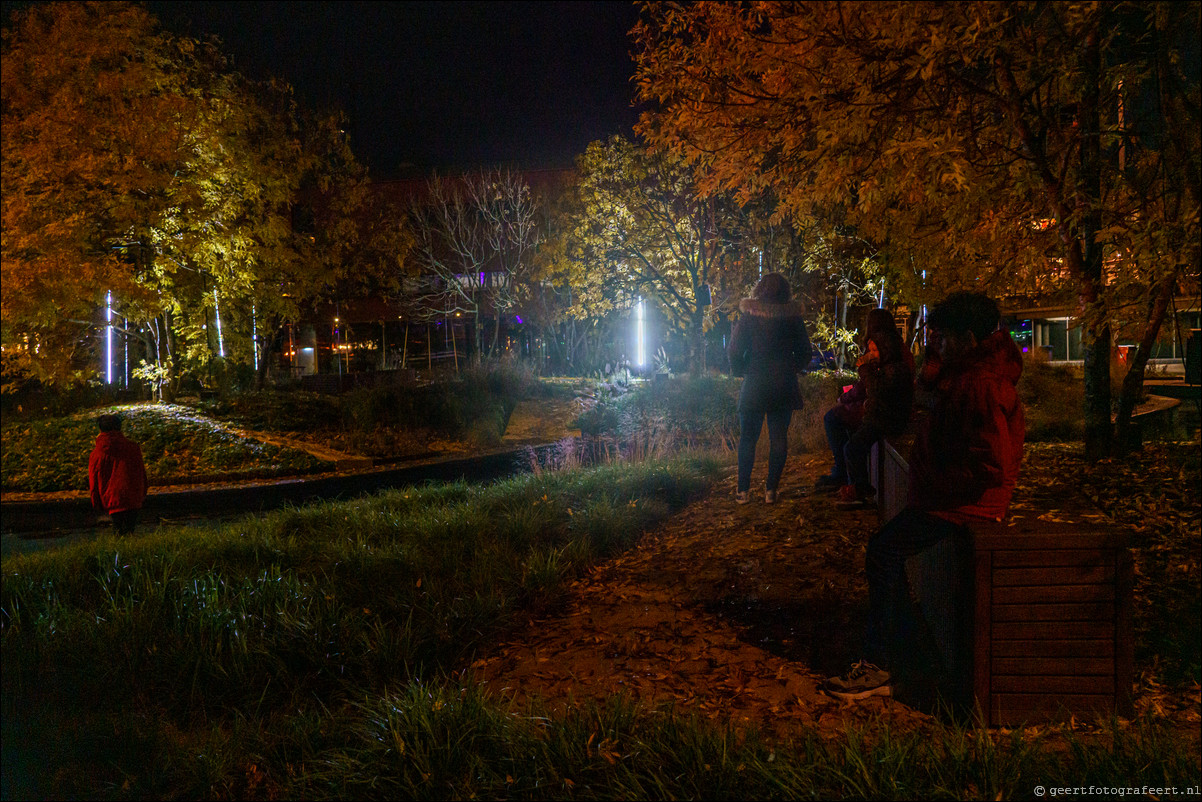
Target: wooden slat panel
1072 666
1124 633
1047 594
1016 708
1059 685
982 632
1043 536
1098 611
1053 575
1053 648
1052 630
1037 558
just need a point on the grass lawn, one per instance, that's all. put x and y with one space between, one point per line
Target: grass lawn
325 652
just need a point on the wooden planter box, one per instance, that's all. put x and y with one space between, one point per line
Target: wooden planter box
1031 615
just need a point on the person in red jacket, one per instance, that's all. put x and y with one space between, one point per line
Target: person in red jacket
117 475
963 466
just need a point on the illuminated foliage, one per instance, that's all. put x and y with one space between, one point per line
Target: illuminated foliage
1016 148
138 162
640 228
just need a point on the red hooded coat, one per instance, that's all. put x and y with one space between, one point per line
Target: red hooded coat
967 452
116 474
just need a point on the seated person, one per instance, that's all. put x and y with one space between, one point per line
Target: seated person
963 468
877 404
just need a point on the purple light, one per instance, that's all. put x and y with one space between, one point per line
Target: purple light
518 318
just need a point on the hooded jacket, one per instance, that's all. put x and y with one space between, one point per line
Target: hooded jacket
768 348
116 474
968 449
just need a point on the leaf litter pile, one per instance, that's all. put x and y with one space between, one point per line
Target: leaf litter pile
736 613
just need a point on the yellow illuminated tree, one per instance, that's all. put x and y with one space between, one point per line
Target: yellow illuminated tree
137 162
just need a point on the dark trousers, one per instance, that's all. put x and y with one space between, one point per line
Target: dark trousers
850 445
856 452
750 425
890 613
838 432
124 521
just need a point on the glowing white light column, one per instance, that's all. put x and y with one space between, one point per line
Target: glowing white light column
254 335
108 338
638 322
217 315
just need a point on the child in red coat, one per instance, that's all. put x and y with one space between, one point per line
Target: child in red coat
117 475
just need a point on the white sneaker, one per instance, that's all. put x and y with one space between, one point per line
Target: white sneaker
769 496
742 497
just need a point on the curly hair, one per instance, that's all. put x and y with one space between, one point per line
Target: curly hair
773 288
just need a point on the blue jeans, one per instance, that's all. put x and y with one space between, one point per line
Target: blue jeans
750 425
889 608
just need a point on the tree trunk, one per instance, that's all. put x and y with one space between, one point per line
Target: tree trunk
696 343
172 388
264 359
1133 382
1098 428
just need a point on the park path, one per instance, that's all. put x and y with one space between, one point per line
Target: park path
725 611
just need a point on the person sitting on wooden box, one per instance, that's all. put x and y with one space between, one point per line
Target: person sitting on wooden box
963 466
876 405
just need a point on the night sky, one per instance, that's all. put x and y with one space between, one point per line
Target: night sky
439 84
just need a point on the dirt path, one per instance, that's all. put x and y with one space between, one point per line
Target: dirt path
736 613
725 611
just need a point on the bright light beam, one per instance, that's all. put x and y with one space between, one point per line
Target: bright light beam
108 338
217 315
254 335
639 349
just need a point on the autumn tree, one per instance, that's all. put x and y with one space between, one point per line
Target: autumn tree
214 208
1008 147
88 141
642 229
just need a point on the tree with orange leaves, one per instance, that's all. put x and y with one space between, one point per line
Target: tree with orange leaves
1020 147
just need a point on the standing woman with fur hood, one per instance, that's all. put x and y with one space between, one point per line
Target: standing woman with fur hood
768 348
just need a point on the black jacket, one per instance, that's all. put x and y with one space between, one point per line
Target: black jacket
769 347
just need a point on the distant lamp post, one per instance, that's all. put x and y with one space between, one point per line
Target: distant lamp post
337 347
108 338
640 343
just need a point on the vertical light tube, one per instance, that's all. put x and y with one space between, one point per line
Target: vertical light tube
108 338
254 335
217 316
639 329
924 311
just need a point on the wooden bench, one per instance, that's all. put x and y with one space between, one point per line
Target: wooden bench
1030 616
